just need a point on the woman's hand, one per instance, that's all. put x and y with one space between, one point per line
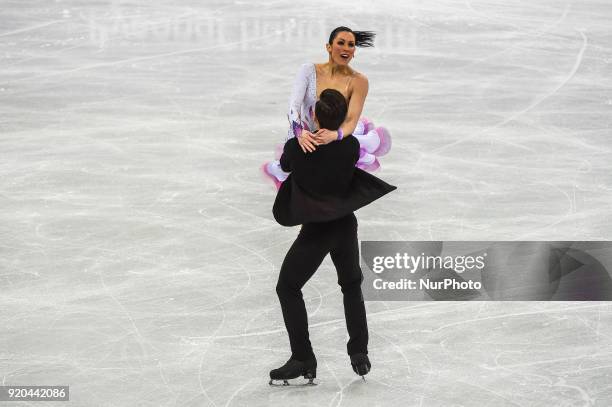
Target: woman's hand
307 141
324 136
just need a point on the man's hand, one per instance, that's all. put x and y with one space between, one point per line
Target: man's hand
324 136
307 141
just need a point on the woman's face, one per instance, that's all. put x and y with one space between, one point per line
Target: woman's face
342 48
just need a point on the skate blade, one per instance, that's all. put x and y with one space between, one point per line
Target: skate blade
286 383
361 370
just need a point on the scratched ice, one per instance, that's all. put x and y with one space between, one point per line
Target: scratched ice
138 251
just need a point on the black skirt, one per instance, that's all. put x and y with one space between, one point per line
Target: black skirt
295 206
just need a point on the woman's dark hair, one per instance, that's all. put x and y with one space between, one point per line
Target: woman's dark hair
330 109
362 38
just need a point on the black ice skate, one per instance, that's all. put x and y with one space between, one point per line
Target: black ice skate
361 364
294 369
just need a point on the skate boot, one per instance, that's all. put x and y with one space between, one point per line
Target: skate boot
294 369
273 171
361 364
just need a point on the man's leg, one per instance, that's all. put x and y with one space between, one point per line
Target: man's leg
345 255
301 261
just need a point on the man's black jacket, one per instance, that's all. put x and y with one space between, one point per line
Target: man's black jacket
324 185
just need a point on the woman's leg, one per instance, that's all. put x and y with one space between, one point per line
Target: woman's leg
345 255
301 261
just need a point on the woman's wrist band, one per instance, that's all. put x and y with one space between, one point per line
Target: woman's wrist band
340 134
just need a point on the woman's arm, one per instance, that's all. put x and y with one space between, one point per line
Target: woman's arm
360 91
296 127
355 107
296 100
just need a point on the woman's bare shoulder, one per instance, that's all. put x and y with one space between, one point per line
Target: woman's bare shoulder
360 76
360 80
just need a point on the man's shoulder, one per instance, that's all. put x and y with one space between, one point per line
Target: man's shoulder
292 143
352 141
347 144
292 148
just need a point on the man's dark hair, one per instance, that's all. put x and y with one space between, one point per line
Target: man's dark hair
331 109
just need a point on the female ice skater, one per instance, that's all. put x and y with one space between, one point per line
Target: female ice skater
335 74
324 206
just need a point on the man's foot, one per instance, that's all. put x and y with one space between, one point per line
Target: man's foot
361 364
294 369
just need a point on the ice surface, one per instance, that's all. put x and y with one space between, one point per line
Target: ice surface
138 251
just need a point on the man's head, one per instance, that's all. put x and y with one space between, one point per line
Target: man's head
330 109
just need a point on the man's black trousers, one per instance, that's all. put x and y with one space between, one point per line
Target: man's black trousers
314 242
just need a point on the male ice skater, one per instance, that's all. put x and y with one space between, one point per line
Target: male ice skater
321 193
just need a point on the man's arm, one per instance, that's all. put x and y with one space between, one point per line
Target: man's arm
355 150
286 159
